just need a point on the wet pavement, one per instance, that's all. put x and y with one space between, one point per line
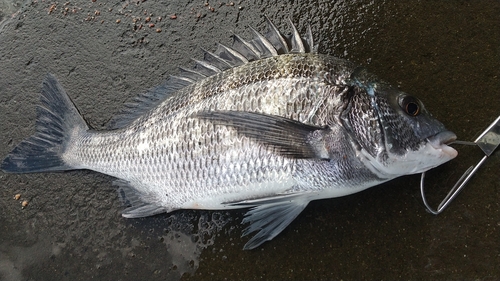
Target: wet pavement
104 53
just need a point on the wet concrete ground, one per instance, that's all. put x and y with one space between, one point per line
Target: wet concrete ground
104 53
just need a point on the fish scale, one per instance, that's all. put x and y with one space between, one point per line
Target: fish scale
268 125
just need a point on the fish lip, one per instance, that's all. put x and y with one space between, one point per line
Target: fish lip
441 140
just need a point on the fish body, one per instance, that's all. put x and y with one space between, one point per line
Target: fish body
268 125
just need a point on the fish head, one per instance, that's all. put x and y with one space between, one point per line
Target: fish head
394 132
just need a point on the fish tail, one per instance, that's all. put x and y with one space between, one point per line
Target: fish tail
57 120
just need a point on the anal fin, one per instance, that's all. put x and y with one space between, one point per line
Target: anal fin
138 208
271 217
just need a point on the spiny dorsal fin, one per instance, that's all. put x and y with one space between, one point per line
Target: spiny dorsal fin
311 48
263 45
205 67
272 43
245 48
295 40
191 73
230 55
215 60
277 40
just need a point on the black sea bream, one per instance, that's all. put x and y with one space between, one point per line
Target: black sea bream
268 125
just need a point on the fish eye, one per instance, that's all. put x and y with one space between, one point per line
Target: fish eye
410 105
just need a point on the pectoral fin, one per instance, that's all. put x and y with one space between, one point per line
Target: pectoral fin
270 217
287 137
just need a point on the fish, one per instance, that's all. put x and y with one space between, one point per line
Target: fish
266 125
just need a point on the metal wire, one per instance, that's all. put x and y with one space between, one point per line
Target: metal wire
488 141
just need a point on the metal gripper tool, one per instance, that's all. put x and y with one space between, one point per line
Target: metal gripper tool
488 141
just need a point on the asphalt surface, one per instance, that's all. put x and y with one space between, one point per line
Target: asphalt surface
105 52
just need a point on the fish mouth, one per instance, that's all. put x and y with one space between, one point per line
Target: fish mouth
441 141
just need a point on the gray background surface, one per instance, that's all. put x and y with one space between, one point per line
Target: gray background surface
445 52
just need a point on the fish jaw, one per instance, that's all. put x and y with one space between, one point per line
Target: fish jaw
440 142
433 152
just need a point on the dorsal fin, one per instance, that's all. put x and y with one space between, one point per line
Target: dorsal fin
272 43
310 47
215 60
295 40
205 68
263 45
230 55
145 101
245 48
277 40
191 73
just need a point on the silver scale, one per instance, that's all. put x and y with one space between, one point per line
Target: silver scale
488 141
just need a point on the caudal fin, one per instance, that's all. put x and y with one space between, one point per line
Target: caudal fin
57 119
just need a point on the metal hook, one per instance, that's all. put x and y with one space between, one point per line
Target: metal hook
488 141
